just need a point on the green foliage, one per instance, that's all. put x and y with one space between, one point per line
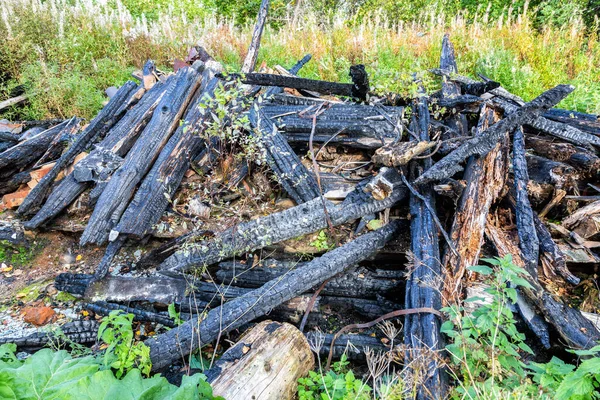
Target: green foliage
564 381
228 122
486 344
337 384
122 353
322 241
56 375
175 315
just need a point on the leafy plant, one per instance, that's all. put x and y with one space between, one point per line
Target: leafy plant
322 241
122 353
486 343
564 381
337 384
53 375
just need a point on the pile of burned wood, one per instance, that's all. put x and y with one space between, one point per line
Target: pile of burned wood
434 182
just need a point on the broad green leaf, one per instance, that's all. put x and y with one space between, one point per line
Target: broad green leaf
481 269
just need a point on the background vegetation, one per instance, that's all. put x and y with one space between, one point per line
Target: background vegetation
67 52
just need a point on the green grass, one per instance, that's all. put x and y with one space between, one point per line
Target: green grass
66 52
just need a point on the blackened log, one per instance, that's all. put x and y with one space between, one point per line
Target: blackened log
15 181
295 178
252 55
293 222
467 85
73 283
26 153
580 158
323 87
155 289
158 187
111 252
294 71
551 254
119 190
162 252
104 308
81 332
481 145
570 324
358 282
105 119
340 119
11 232
360 82
485 177
168 347
528 240
9 137
585 122
422 331
353 346
357 143
544 171
562 131
99 165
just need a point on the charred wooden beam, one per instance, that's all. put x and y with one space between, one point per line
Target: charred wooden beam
553 128
422 331
580 158
544 171
27 152
105 308
293 71
341 120
293 222
158 187
485 179
295 178
168 347
114 199
482 144
98 166
528 240
360 82
323 87
15 181
359 282
252 55
354 346
82 332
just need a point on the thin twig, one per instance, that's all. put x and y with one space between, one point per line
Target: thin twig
311 304
393 314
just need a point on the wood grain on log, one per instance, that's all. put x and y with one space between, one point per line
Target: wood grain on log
264 364
485 177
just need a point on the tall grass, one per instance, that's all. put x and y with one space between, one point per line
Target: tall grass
67 52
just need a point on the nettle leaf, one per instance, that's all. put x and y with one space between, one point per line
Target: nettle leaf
575 385
481 269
